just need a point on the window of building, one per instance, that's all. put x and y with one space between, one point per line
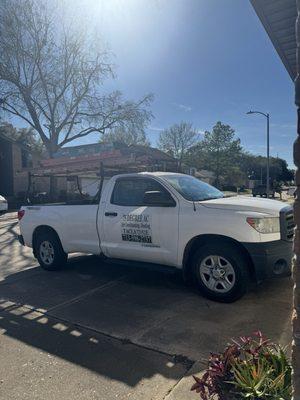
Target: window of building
26 159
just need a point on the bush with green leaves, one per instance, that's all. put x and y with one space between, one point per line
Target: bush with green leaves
250 368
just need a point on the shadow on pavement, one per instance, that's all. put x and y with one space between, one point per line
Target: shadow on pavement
149 308
119 361
13 257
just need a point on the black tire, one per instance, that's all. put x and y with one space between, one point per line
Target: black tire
236 262
58 257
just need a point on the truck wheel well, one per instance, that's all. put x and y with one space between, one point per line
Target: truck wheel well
201 240
39 230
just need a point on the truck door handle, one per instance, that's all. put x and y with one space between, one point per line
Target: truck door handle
110 214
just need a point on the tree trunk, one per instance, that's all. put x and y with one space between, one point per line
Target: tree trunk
180 165
53 181
53 188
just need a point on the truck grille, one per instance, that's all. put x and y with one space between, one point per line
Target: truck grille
287 225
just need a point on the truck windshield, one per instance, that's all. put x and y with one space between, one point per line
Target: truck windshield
192 189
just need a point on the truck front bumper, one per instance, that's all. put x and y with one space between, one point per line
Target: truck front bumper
270 259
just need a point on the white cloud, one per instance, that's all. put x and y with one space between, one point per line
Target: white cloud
183 107
284 126
155 129
259 146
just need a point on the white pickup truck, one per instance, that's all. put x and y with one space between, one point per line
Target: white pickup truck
173 220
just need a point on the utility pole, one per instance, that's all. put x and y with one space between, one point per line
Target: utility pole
268 155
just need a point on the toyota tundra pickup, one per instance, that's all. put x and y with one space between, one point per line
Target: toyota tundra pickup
170 219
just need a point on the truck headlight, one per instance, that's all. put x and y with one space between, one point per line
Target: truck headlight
265 225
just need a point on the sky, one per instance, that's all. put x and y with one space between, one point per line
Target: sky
204 61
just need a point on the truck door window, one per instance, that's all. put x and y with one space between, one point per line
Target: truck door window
131 191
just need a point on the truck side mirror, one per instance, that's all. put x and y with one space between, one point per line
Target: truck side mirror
157 198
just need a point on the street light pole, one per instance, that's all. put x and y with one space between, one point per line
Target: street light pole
268 147
268 155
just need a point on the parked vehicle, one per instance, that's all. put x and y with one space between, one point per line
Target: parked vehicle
169 219
3 204
261 190
292 191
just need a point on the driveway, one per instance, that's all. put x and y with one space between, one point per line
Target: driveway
104 331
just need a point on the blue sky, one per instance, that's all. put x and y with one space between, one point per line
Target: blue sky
204 60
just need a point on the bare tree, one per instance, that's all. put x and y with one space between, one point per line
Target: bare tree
128 136
177 139
50 77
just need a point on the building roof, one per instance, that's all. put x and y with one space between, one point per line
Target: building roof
152 152
84 150
87 158
279 19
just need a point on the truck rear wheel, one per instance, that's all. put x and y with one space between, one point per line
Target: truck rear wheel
221 272
49 251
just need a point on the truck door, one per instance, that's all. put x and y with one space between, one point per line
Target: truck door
133 230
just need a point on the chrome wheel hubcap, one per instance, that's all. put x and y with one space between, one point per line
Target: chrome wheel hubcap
217 274
47 252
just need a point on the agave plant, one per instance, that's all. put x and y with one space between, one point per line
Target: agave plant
266 375
251 367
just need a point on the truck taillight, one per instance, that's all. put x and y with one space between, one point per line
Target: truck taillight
21 214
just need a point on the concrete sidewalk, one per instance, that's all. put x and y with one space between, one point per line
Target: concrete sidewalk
46 358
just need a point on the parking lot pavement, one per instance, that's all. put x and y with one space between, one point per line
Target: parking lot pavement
102 331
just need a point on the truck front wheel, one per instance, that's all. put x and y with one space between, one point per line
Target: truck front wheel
49 251
221 272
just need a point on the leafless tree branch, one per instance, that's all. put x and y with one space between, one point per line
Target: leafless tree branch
51 78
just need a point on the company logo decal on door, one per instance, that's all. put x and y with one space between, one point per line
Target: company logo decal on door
136 228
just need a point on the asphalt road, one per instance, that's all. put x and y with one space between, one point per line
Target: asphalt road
103 331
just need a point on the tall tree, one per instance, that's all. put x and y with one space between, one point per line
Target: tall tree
51 76
255 167
127 136
178 139
219 151
25 136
